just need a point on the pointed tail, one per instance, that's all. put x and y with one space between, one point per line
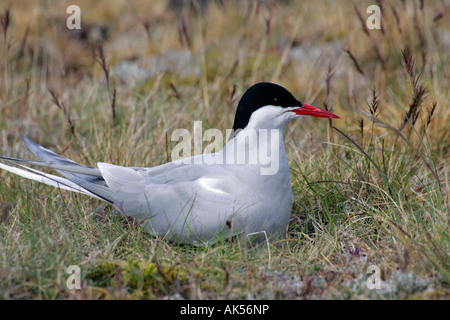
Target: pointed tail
48 179
78 178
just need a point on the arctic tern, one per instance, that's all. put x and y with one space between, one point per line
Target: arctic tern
210 197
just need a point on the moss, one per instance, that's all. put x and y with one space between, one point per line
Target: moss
102 273
137 276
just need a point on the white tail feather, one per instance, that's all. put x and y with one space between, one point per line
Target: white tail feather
48 179
75 168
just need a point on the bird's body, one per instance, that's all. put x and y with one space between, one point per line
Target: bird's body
207 197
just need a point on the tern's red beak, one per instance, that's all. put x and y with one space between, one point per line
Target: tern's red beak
308 110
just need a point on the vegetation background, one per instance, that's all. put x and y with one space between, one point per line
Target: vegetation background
370 188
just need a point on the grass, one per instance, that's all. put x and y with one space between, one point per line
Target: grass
369 189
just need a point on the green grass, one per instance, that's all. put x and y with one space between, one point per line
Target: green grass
366 193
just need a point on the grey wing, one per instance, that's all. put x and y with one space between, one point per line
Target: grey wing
188 204
87 177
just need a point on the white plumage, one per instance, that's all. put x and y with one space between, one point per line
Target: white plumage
199 201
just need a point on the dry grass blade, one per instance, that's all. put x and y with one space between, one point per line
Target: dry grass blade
360 18
62 107
374 104
419 91
355 62
430 114
100 58
5 20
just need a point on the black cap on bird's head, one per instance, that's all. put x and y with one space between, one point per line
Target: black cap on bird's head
269 94
260 95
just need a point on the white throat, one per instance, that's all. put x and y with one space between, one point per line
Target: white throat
261 148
